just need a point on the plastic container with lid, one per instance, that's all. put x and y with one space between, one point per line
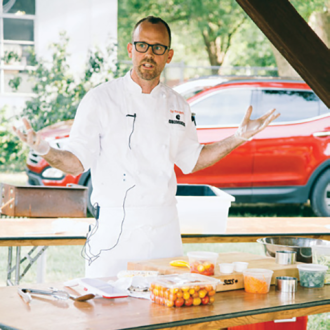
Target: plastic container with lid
183 290
321 256
257 280
202 262
312 275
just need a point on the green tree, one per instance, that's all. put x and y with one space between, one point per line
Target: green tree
215 21
57 92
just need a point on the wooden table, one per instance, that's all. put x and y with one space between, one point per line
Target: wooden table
39 232
230 308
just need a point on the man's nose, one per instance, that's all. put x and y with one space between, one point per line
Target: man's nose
149 51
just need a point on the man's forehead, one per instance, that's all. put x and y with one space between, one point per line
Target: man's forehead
156 32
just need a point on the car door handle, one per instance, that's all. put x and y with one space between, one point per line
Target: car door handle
319 134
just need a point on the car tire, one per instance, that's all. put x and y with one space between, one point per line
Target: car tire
320 198
89 186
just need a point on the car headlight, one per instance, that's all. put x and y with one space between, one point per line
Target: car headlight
52 173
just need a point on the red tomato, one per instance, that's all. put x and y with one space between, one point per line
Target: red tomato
179 302
205 300
189 302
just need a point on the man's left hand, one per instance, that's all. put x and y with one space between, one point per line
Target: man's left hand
250 127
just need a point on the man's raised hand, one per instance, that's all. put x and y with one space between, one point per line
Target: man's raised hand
250 127
32 139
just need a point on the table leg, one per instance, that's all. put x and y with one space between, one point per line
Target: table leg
10 258
18 263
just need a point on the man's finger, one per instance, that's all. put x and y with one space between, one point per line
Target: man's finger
247 115
26 123
267 114
30 136
19 134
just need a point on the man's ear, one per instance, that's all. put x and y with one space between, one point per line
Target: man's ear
129 49
170 56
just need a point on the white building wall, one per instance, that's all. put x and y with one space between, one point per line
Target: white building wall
88 23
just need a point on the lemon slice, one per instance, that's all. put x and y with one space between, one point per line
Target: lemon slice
179 263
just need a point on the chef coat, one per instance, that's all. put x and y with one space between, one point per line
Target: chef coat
130 141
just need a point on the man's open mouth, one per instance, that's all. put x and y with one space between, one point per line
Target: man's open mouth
148 65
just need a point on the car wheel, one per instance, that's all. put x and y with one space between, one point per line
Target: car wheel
320 198
90 208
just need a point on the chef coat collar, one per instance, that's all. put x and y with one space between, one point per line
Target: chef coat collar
134 88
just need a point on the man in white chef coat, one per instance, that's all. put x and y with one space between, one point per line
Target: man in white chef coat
130 132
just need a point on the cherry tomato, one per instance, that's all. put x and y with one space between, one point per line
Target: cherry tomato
197 301
212 300
166 294
179 302
185 288
195 295
212 293
202 293
186 295
197 288
179 294
209 288
191 291
156 292
205 300
188 302
169 303
172 297
201 268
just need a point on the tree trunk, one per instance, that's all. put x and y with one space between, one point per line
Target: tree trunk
320 23
283 66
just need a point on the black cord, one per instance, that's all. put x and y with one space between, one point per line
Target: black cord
84 253
129 140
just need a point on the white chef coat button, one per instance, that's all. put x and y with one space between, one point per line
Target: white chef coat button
164 146
164 96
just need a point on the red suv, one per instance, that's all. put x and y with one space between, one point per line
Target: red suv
288 162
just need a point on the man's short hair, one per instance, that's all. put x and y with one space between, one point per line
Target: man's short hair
153 20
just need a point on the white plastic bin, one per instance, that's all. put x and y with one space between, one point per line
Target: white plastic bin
203 209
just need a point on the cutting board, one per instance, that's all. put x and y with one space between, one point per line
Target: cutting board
232 281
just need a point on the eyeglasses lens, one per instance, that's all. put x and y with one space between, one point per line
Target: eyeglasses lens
142 47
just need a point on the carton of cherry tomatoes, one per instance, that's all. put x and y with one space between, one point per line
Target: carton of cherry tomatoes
202 262
183 290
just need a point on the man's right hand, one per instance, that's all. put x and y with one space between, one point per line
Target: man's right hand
32 139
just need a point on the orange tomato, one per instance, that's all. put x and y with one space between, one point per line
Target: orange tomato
212 300
156 292
188 302
212 293
169 303
179 302
197 288
209 287
179 294
172 297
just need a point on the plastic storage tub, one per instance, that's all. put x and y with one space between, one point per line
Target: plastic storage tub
202 262
183 290
257 280
312 275
321 256
202 209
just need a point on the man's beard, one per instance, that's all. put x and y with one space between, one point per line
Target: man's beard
146 74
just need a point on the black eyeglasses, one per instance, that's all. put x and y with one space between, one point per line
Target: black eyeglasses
142 47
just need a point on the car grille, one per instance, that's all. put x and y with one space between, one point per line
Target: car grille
33 157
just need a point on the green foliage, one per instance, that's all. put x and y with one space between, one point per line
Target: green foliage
12 154
15 82
58 93
10 56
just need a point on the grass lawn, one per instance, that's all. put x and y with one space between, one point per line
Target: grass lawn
64 262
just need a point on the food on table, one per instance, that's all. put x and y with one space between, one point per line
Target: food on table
312 275
321 256
257 280
202 262
183 290
179 263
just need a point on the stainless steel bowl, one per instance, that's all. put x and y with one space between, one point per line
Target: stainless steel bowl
289 243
